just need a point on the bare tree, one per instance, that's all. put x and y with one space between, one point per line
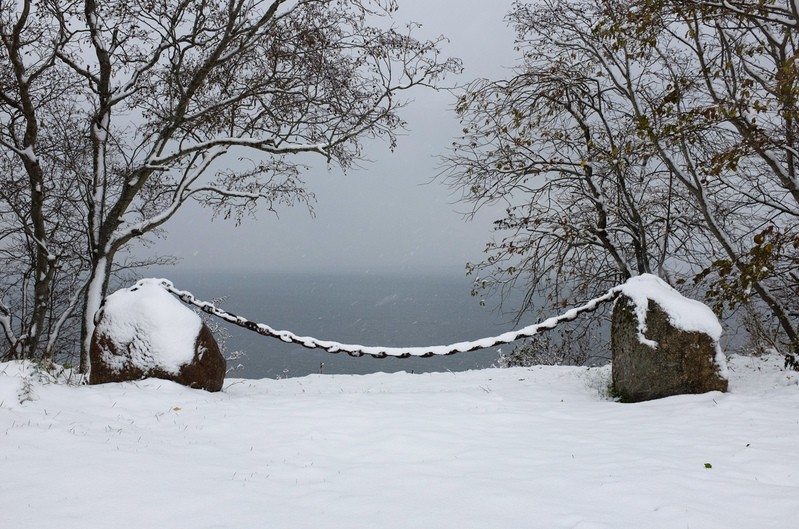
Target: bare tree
28 82
658 135
589 205
732 140
220 101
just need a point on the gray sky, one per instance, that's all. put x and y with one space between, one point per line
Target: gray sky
386 216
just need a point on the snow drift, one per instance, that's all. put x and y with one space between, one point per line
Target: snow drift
514 448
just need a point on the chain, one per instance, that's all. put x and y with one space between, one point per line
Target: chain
378 351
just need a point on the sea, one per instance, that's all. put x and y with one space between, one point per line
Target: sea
367 308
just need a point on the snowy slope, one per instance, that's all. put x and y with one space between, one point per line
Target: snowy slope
512 448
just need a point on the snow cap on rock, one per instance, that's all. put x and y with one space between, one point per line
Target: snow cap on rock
146 311
685 314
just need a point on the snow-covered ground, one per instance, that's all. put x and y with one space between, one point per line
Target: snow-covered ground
539 447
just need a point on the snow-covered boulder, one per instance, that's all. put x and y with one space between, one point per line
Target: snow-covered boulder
143 331
663 343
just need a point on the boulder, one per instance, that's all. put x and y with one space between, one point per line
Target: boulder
143 331
663 344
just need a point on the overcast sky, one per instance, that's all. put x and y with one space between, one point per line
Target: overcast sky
386 216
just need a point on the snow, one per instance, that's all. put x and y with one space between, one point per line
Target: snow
30 154
538 447
160 330
686 314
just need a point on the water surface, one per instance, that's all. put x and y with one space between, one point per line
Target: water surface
366 309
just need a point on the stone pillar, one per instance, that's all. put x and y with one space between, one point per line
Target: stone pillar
663 360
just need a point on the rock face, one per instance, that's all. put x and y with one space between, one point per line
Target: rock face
654 358
144 332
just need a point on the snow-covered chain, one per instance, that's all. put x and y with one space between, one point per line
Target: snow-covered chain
377 351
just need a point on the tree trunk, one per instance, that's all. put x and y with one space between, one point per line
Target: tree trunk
93 300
